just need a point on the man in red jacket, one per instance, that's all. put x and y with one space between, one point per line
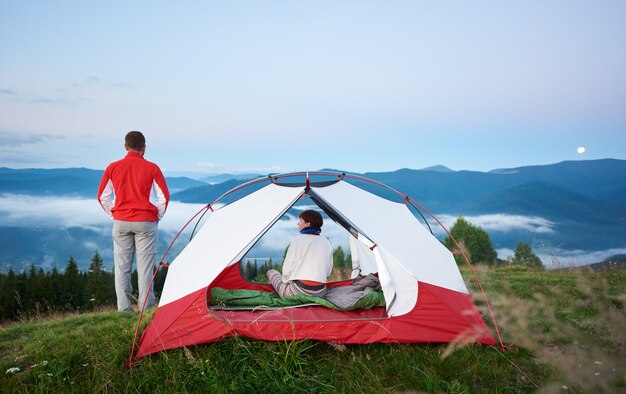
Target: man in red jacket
134 193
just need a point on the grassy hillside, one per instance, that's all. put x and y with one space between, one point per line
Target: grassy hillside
564 331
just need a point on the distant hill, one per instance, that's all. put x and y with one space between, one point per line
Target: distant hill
75 182
584 202
600 179
547 200
581 221
177 184
581 198
438 168
597 178
207 193
219 178
614 262
81 182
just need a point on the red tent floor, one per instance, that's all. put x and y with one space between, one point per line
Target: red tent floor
440 315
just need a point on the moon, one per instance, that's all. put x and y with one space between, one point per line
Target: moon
581 150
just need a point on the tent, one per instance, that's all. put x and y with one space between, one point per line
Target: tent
426 298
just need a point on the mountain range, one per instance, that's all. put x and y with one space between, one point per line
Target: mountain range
584 202
70 182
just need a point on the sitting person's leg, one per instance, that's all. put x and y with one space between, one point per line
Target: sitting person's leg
307 289
276 279
292 288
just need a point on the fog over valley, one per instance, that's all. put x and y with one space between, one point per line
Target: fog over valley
60 227
570 213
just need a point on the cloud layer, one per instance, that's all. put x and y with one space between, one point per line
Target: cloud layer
560 258
10 92
500 222
61 213
17 139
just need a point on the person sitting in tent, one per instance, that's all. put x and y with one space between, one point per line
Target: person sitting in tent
308 261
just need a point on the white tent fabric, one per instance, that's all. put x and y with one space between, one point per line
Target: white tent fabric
398 233
227 233
366 260
386 279
363 262
404 251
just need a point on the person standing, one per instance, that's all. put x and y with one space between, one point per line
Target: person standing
134 193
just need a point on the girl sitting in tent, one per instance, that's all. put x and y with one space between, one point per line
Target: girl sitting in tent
308 261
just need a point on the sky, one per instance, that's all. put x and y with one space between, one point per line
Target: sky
277 86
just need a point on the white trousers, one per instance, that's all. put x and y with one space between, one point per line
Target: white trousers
134 239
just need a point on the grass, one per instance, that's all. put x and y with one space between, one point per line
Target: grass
565 329
572 320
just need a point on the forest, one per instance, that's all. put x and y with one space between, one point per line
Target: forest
36 292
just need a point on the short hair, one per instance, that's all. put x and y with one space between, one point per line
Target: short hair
135 140
312 217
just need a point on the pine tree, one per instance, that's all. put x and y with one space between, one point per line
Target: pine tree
44 301
255 272
98 286
9 297
476 241
339 258
20 294
72 297
159 281
247 271
31 293
56 283
524 255
261 271
2 279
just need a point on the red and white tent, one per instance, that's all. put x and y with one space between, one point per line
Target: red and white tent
426 297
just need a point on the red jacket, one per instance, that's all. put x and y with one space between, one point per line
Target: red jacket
140 191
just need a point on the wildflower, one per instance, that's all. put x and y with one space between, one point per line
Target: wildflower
338 346
44 362
12 370
190 358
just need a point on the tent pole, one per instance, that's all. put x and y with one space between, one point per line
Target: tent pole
493 318
129 362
